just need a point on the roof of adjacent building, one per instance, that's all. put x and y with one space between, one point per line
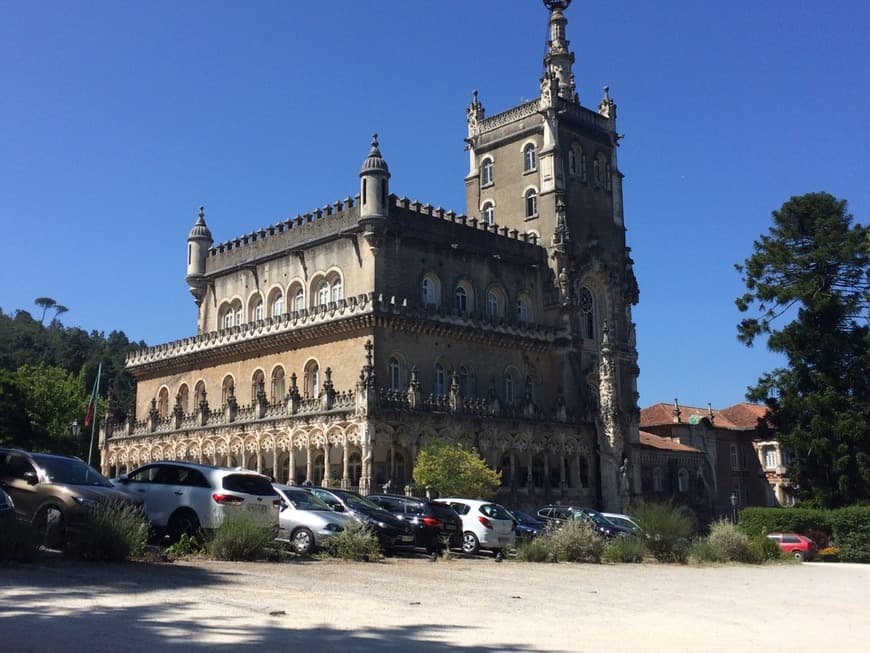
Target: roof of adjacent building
658 442
739 416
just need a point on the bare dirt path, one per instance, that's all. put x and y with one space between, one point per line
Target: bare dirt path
411 604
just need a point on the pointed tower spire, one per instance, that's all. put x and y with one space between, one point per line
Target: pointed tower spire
559 58
198 243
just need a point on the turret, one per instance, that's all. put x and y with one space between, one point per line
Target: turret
374 194
198 243
559 59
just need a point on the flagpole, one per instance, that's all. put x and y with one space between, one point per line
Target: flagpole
94 422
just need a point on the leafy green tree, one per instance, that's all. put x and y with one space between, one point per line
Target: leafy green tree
15 427
451 470
44 303
53 398
812 269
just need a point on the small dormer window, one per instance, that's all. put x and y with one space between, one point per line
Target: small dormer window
486 172
530 158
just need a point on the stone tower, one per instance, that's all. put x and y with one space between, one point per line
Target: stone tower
198 243
549 167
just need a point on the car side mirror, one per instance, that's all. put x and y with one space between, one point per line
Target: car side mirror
338 507
30 477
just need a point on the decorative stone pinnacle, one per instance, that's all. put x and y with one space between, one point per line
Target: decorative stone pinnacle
375 140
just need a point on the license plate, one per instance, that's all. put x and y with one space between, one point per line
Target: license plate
406 538
450 527
258 508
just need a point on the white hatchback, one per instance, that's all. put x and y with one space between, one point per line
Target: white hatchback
485 525
184 498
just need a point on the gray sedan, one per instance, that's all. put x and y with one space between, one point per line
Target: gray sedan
306 522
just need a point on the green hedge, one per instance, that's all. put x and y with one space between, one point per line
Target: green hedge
849 528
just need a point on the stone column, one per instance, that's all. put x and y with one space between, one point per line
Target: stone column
308 465
345 472
327 480
259 462
291 463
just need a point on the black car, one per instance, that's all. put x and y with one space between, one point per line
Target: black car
558 515
434 524
526 526
392 532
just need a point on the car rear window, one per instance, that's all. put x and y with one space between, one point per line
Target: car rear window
248 484
495 511
442 511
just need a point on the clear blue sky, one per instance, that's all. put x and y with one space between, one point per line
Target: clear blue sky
118 119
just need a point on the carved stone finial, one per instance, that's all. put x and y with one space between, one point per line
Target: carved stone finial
202 213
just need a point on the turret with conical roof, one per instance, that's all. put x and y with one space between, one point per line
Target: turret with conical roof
198 243
374 195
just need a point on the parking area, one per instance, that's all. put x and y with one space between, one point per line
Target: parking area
412 604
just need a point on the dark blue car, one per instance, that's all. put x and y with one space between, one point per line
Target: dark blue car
526 526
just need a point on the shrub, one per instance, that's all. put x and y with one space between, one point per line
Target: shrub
761 521
730 544
356 542
112 531
854 546
763 549
624 549
702 550
666 529
19 541
185 545
537 549
240 537
577 541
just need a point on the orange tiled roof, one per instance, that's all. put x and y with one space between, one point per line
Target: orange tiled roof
658 442
739 416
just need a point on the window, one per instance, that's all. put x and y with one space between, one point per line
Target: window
461 297
393 369
337 290
582 167
163 403
508 389
278 306
531 203
198 394
428 291
228 320
769 457
258 311
464 381
658 481
184 397
492 304
522 311
683 480
735 461
226 389
596 172
587 313
256 379
277 384
572 161
530 158
488 213
238 316
312 379
486 176
354 468
440 385
323 294
299 300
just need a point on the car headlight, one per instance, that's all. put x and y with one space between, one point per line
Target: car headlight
85 502
335 528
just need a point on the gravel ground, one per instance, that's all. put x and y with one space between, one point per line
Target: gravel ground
412 604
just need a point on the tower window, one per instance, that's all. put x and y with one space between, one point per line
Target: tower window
508 389
461 296
488 213
531 203
486 172
394 374
530 158
440 386
587 313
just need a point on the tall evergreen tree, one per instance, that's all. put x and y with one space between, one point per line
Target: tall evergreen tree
812 269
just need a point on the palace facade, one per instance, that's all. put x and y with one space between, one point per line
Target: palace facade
331 346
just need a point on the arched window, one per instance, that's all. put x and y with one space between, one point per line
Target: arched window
226 389
461 297
464 382
184 398
258 310
607 176
198 394
163 403
572 161
486 172
323 294
256 379
530 158
530 387
228 319
488 213
312 379
277 384
531 203
354 468
299 300
393 370
587 313
582 167
430 290
238 312
494 305
337 290
278 306
508 388
440 386
522 311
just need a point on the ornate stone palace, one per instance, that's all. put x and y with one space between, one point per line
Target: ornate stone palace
330 347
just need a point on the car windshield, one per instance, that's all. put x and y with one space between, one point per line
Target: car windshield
523 517
70 471
356 502
302 500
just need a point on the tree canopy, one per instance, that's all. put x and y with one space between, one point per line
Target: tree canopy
811 269
451 470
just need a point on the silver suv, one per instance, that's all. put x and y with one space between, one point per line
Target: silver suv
185 498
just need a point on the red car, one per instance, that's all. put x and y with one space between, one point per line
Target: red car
799 546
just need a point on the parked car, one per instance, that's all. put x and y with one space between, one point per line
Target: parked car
392 532
485 525
558 515
185 498
7 507
622 520
54 492
526 526
433 523
305 522
794 544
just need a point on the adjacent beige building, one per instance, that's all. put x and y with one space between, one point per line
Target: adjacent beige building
330 347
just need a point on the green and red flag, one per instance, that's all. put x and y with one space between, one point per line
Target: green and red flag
92 406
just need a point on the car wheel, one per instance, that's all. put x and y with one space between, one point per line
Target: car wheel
184 522
799 556
50 527
470 543
302 541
